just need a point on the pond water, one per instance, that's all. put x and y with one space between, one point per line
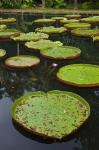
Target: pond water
14 84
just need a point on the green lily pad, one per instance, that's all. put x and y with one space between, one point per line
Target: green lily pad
77 25
42 44
57 18
61 52
94 19
44 21
31 36
73 16
7 21
80 75
96 38
51 30
22 61
64 21
2 27
6 34
55 114
2 53
85 32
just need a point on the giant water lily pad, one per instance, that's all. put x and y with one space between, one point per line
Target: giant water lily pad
93 19
57 18
96 38
61 52
51 30
22 61
77 25
31 36
64 21
44 20
2 27
42 44
85 32
73 16
55 114
6 34
7 21
2 53
80 75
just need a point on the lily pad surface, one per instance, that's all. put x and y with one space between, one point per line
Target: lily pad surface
57 18
77 25
42 44
96 38
31 36
22 61
7 21
61 52
64 21
51 30
80 75
73 16
2 53
94 19
6 34
44 21
2 27
85 32
55 114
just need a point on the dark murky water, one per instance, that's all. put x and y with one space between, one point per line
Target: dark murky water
14 84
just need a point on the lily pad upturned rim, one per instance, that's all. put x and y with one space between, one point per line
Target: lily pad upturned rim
81 34
61 58
57 43
54 92
59 30
69 21
7 21
57 18
46 20
90 20
73 83
3 53
74 16
21 67
77 25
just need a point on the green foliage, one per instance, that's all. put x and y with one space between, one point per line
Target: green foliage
56 3
90 5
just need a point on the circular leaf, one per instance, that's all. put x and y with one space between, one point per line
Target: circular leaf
2 53
77 25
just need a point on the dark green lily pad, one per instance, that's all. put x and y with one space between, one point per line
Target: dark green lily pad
73 16
64 21
7 21
44 21
85 32
61 52
2 53
22 61
55 114
77 25
80 75
57 18
2 27
6 34
51 30
42 44
31 36
96 38
94 19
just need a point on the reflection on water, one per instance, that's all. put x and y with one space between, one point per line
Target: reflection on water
14 84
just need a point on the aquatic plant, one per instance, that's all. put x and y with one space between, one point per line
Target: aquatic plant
7 21
93 19
2 27
44 20
64 21
2 53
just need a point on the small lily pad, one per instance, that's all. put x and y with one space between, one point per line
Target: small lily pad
42 44
85 32
61 52
96 38
55 114
80 75
31 36
2 53
93 19
64 21
22 61
7 33
7 21
57 18
73 16
77 25
2 27
51 30
44 21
